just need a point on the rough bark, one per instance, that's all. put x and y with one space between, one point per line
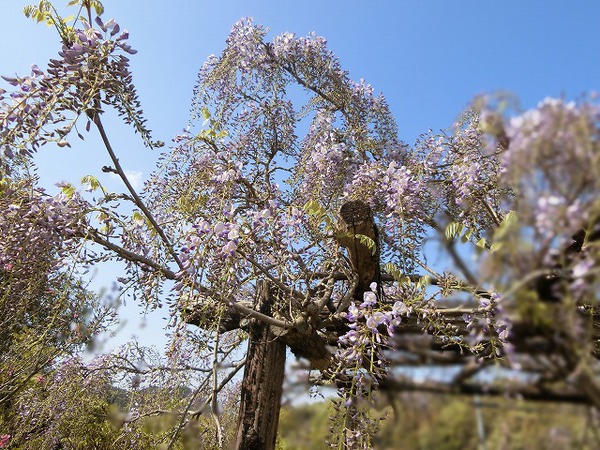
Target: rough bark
355 224
262 385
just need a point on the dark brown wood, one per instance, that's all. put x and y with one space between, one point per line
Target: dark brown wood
527 392
357 219
307 344
262 385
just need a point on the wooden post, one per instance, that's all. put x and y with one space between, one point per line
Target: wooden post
262 385
356 221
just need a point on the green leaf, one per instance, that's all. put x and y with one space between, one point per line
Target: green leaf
393 270
467 235
481 243
314 208
423 281
345 237
98 7
137 216
367 242
106 228
507 223
309 206
91 181
453 229
496 246
509 219
68 189
206 114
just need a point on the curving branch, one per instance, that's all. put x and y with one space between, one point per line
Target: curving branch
95 117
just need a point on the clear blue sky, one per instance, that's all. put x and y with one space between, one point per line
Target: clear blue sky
429 57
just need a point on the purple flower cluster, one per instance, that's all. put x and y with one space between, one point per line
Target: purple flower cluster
370 327
564 132
552 215
472 169
552 162
91 68
245 45
37 230
208 248
585 280
395 188
247 88
361 364
21 114
490 324
326 159
289 47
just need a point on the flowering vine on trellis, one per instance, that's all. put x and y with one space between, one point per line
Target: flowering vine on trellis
241 197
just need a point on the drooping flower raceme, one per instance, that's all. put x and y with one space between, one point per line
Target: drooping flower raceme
91 70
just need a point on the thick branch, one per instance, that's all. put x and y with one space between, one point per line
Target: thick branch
530 392
137 200
129 255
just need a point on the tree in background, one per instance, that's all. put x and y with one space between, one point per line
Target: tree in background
46 313
291 176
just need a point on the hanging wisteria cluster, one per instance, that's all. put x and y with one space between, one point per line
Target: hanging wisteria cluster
90 71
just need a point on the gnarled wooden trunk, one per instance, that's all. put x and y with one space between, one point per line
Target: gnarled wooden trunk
262 385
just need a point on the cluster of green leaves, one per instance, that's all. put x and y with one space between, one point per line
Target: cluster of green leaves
45 11
456 230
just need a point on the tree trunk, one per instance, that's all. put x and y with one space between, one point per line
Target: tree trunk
356 223
262 385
